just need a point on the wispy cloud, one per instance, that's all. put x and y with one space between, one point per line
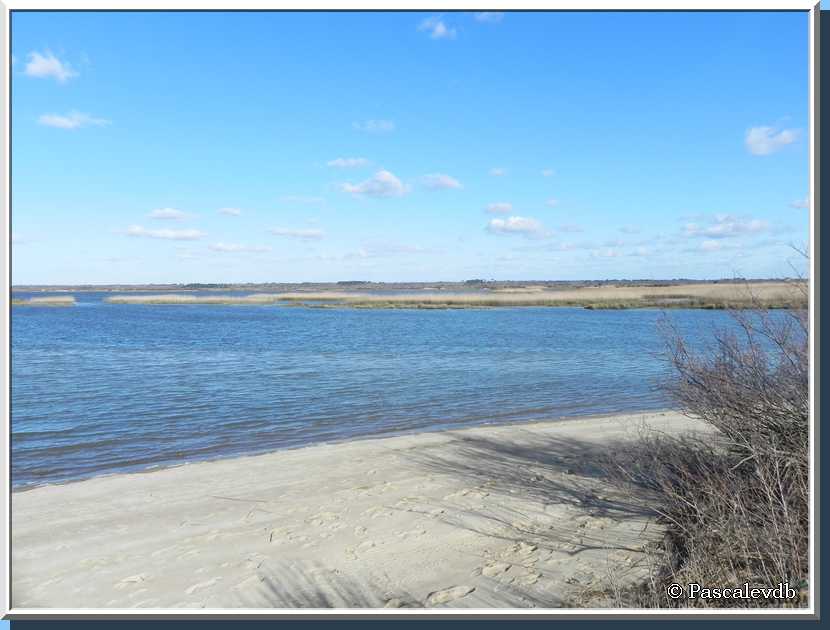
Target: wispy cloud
173 235
522 226
570 227
490 17
168 214
47 66
381 184
498 172
500 207
801 204
17 239
767 140
310 235
236 248
72 120
725 226
375 126
440 181
437 28
231 212
630 229
349 162
548 172
552 203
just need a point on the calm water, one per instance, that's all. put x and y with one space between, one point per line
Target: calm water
100 388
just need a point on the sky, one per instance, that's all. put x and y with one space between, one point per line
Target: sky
401 146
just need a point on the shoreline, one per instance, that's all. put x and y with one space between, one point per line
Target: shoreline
346 440
488 516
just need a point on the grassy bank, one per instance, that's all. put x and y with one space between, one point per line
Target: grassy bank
706 296
62 300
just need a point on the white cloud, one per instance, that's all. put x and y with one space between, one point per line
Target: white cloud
301 234
552 203
500 207
72 120
523 226
439 181
613 243
381 184
497 172
711 246
231 212
801 204
767 140
548 172
725 226
436 28
375 126
170 214
45 66
491 17
630 229
173 235
350 162
236 248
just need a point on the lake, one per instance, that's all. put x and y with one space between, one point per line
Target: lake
101 388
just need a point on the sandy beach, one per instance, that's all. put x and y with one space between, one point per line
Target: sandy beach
489 517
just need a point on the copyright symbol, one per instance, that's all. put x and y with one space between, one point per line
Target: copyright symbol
674 591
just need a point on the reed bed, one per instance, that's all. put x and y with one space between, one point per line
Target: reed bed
175 298
706 296
53 300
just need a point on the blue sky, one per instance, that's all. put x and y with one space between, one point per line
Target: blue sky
250 147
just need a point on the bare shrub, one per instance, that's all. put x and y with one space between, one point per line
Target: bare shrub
734 500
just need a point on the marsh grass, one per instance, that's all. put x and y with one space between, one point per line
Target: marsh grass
54 300
706 296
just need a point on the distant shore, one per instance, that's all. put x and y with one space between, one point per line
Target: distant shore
710 295
494 516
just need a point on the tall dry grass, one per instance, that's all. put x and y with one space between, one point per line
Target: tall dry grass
721 295
52 300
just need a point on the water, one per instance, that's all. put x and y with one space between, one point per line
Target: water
101 388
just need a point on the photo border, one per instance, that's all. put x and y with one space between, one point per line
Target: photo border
19 6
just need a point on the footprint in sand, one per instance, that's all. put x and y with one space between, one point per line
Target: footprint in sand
529 579
201 585
189 554
377 512
412 533
249 582
318 520
495 569
164 551
352 553
448 595
131 580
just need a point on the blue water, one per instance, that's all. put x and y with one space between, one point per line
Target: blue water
101 388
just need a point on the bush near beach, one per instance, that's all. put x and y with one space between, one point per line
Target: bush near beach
735 501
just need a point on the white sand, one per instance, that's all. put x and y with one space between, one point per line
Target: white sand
510 516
